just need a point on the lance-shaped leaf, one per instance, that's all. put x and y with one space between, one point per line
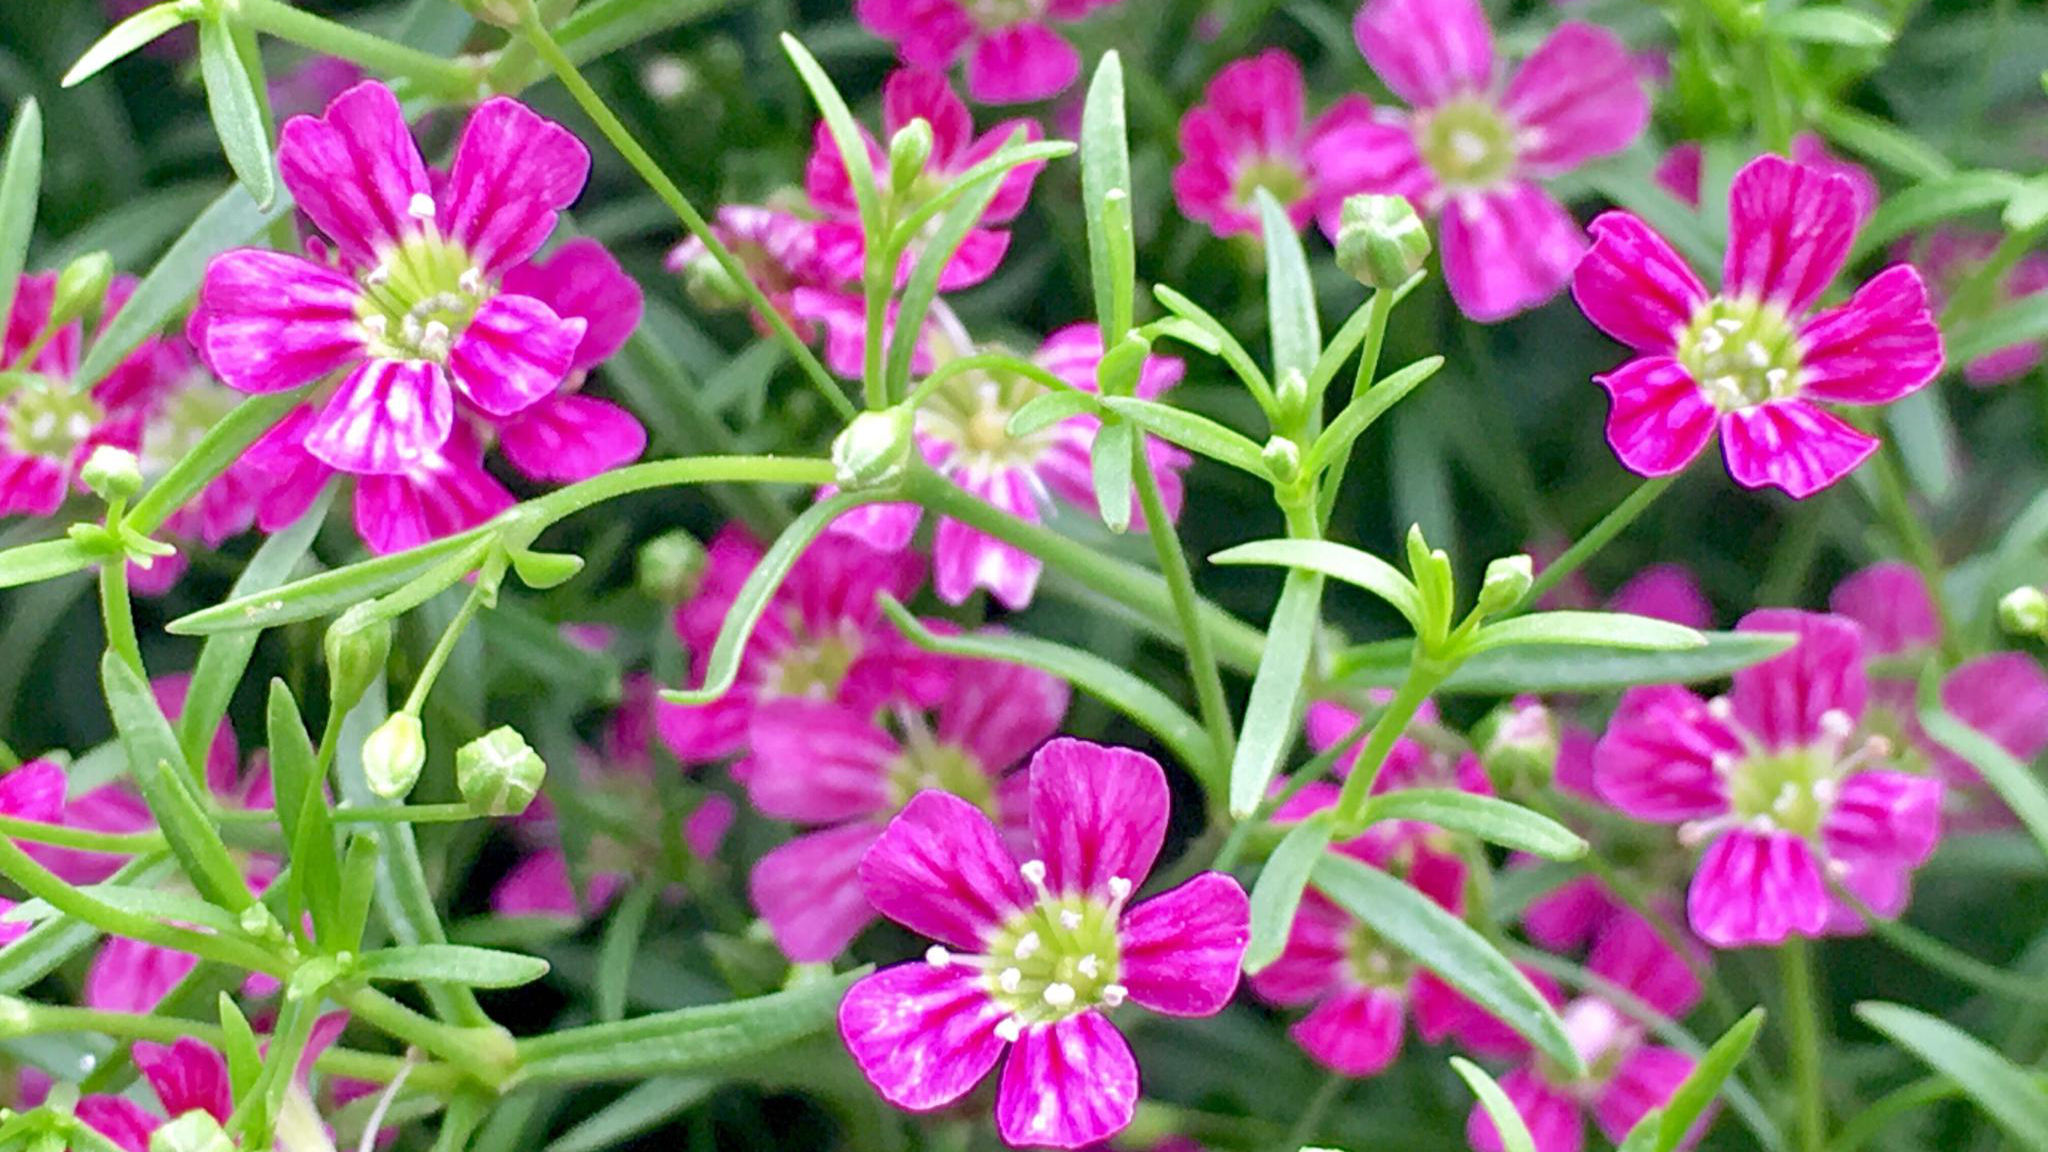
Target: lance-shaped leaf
135 32
1276 896
329 592
1507 1122
1588 629
237 112
1666 1129
34 563
1929 203
647 1107
50 944
301 802
2014 782
1106 177
2008 1093
936 253
1364 411
1109 466
1830 24
1290 293
143 901
453 964
1357 568
21 180
1565 668
1194 432
845 132
1049 408
1272 715
217 451
1232 352
1492 820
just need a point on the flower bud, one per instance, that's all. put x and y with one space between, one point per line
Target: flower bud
503 13
1283 459
670 566
1380 240
195 1131
82 287
356 651
2024 611
1507 581
1519 745
874 449
498 773
112 473
1290 400
710 286
908 151
394 755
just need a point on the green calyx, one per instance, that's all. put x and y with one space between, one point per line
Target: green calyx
1741 353
1284 179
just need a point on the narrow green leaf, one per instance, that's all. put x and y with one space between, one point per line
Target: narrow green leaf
1492 820
2007 1093
2028 208
35 563
1187 332
1290 293
1565 668
1591 629
1668 1127
1106 174
1110 464
1196 433
127 36
1049 408
1273 714
217 451
1930 202
237 115
1108 682
621 942
1227 346
1444 944
452 964
936 251
846 134
245 1057
1632 187
2024 321
231 220
647 1107
1507 1121
1276 895
1365 410
1883 142
1353 566
358 888
1827 24
21 181
160 774
1921 427
325 594
301 803
2014 782
604 26
52 943
152 902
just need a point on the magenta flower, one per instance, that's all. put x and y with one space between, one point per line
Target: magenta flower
308 87
415 312
1948 258
1248 134
1679 171
192 1076
1626 1076
916 94
1770 779
833 768
1474 149
1415 761
47 428
172 428
823 637
779 250
1013 54
963 432
1754 362
2003 695
33 791
1031 956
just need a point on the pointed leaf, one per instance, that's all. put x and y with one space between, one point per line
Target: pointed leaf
1668 1127
1196 433
1290 293
1355 567
1507 1121
2014 782
135 32
1106 176
237 114
21 181
1589 629
329 592
1565 668
845 132
1276 896
1049 408
34 563
1273 714
1492 820
1110 464
2009 1094
302 813
452 964
52 943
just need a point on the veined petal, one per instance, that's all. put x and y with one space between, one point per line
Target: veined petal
1894 816
808 891
1793 446
130 976
1757 888
2004 696
119 1119
568 438
1880 345
388 417
1578 97
965 558
1181 948
1631 955
447 492
34 791
513 354
1001 712
1314 962
1508 249
1633 286
187 1075
582 280
1786 699
1789 229
356 171
274 321
1657 760
818 762
513 171
1427 50
1646 1078
923 1036
1658 421
1355 1032
940 869
1067 1085
1098 813
1890 601
1021 64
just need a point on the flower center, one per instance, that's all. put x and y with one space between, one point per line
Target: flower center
1787 789
418 300
1003 13
927 764
972 413
1741 352
813 666
183 420
1283 178
1467 143
1373 962
1054 960
1601 1036
49 420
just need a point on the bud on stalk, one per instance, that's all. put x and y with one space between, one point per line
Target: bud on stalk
1380 240
498 773
394 755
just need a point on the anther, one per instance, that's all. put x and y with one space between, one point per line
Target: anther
1113 995
1089 966
1034 873
1070 919
1720 708
1010 980
378 275
1836 723
1059 995
472 281
1028 946
938 957
1008 1029
420 207
1119 888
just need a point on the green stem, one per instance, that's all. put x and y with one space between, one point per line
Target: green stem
1180 585
450 636
487 1054
565 502
453 79
1803 1011
1598 537
218 450
1424 674
1895 505
406 814
82 839
636 156
1383 301
1311 1120
116 610
1888 1109
876 283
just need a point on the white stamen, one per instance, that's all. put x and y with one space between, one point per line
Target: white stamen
1839 869
1119 889
378 275
1728 324
1710 340
1113 995
44 424
1836 723
1059 995
1089 966
938 957
1033 872
436 340
1757 355
1720 708
1776 378
472 281
78 427
420 207
1070 919
1008 1029
1825 791
377 324
1028 946
1011 980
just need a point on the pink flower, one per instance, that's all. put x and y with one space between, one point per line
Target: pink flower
1660 591
963 432
2003 695
1013 55
1474 149
779 250
1679 172
1413 762
308 87
1770 779
1247 134
823 637
192 1076
415 312
1030 955
1626 1077
173 427
1950 257
835 769
1754 362
915 94
47 429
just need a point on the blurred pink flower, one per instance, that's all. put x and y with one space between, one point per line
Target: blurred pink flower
1950 257
779 250
1013 54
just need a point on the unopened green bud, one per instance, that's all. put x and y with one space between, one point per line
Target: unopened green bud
908 151
670 566
874 449
1290 399
356 651
259 922
394 755
82 287
1519 745
1380 240
1283 459
112 473
1123 366
1507 580
498 773
2024 611
195 1131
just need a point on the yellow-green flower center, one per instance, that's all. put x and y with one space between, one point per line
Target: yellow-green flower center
49 420
182 421
814 666
1375 963
1283 178
972 411
926 764
1466 142
1741 352
1003 13
421 297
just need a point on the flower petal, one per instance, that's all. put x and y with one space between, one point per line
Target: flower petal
965 558
1656 761
538 885
924 94
1646 1078
583 281
1316 958
1001 712
513 171
1181 948
1552 1116
1890 601
1356 1032
940 869
446 493
818 762
1067 1085
1098 813
274 321
119 1119
1508 249
1880 345
809 892
355 171
1789 229
1579 96
1021 64
1793 446
513 354
1634 286
1427 50
130 976
34 791
1893 816
389 416
1658 421
2004 696
923 1036
1631 955
186 1076
1757 888
569 438
1665 592
1786 700
1352 149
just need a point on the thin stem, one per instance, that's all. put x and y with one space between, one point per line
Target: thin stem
1304 1129
82 839
450 78
406 814
488 1054
1801 1008
1423 677
637 157
1180 585
1596 538
115 608
876 282
445 646
1383 301
566 502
